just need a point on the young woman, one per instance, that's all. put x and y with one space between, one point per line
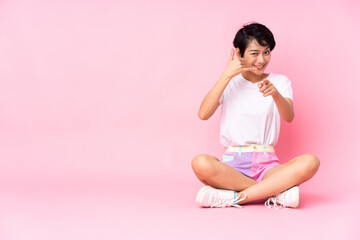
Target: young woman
253 103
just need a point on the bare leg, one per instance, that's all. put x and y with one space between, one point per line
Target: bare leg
283 177
216 174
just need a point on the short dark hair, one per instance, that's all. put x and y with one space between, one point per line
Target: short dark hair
253 31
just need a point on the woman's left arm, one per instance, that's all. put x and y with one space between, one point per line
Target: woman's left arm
284 105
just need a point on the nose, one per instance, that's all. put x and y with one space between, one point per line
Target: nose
260 59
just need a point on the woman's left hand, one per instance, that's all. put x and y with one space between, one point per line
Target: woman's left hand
267 88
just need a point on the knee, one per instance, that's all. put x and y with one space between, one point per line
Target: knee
202 165
311 164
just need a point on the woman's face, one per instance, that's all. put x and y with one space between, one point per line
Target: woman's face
256 56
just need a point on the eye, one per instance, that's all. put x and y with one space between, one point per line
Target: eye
267 52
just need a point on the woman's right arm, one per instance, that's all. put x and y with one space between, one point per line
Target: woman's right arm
211 101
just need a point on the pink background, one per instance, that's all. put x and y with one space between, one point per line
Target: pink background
98 111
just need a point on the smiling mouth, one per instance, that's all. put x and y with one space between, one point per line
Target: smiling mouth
259 68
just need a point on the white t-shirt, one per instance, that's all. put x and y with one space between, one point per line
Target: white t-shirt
247 117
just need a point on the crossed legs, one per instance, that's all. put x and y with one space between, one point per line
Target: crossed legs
210 171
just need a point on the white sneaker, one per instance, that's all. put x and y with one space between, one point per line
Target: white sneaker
212 197
288 198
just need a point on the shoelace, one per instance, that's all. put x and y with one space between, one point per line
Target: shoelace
224 200
278 199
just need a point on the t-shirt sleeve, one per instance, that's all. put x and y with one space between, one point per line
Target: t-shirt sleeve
284 87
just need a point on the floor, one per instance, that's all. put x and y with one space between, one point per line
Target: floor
151 209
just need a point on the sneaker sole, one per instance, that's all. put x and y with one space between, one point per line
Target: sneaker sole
200 194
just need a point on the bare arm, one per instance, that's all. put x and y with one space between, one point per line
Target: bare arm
285 107
211 101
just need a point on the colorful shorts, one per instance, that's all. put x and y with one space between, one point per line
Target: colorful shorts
252 161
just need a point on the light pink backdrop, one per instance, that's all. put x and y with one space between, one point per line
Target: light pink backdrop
112 89
109 90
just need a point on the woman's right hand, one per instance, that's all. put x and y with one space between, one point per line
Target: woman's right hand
235 66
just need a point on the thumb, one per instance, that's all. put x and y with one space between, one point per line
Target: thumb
266 81
231 55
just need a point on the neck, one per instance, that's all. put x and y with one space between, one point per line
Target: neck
251 77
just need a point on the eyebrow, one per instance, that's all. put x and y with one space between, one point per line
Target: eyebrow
257 50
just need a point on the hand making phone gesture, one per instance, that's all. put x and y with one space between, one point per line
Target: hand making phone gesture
236 65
